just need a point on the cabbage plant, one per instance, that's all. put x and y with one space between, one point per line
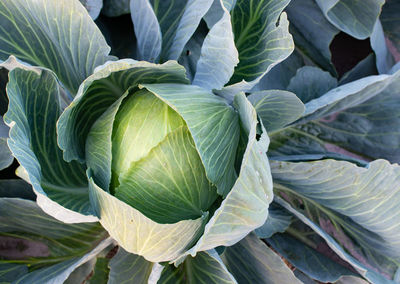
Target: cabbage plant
217 142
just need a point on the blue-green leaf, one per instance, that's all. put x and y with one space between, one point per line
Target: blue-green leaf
351 204
276 108
100 91
93 7
376 120
310 83
206 267
307 259
356 18
278 221
364 68
391 26
384 59
252 261
61 37
129 268
312 32
32 115
164 27
147 30
219 55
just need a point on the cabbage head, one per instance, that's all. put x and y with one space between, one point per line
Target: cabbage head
172 168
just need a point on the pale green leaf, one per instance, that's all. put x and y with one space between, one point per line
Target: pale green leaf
216 137
276 108
206 267
32 115
356 18
252 261
360 266
59 35
140 235
100 91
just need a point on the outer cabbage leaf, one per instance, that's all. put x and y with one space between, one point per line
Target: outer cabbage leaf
218 56
310 83
206 267
335 122
278 221
351 204
61 37
391 26
309 259
356 18
129 268
246 206
163 28
312 32
252 261
276 108
141 235
50 248
32 115
93 7
100 91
